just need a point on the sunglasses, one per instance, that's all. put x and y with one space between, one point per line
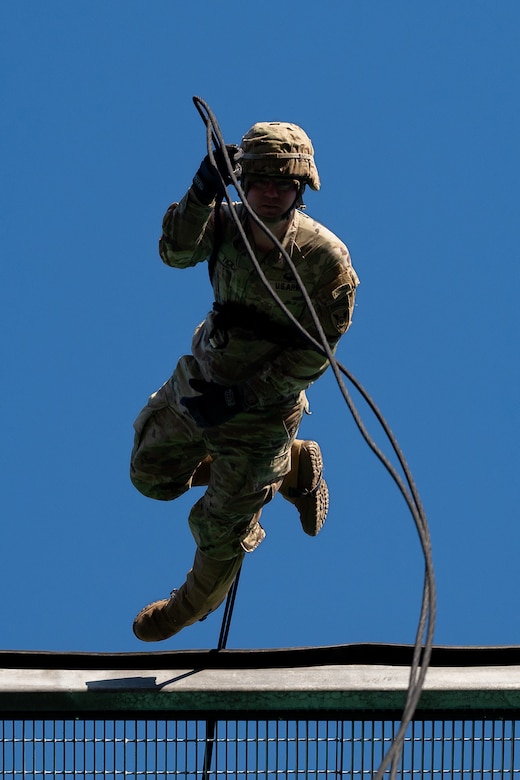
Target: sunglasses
282 185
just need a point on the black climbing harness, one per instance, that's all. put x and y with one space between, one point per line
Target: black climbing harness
249 317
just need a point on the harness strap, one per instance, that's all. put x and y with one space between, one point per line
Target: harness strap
247 316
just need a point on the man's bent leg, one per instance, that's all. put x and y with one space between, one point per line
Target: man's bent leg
167 448
304 486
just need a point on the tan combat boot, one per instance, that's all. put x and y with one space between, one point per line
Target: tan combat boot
305 487
206 587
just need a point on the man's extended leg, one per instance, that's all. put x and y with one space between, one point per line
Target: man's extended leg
250 456
206 587
224 523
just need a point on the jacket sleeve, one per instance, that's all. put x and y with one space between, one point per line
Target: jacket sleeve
187 233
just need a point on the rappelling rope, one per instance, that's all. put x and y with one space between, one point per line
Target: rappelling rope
224 631
425 629
228 612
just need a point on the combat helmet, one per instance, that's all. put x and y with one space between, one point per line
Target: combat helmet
279 149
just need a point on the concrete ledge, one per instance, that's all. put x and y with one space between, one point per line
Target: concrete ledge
252 681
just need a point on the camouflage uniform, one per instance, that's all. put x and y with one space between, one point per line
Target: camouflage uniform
270 363
251 451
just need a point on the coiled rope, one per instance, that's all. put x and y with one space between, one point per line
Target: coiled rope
426 624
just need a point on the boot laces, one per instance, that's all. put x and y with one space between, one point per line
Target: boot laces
305 493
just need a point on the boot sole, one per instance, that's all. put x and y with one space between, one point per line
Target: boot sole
312 507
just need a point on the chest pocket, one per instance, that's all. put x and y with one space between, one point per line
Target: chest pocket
233 276
235 279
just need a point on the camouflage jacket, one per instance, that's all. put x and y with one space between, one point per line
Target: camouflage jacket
254 344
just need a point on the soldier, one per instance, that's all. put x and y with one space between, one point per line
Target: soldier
229 415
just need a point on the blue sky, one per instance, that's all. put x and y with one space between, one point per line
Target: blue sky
414 112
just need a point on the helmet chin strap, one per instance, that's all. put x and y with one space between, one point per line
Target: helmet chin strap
298 201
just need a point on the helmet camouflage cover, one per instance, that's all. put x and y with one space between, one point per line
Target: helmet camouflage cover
279 149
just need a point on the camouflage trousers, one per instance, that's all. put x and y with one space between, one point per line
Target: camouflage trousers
250 456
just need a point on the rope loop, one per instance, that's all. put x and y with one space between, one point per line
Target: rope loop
426 624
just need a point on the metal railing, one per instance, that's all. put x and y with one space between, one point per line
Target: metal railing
316 713
315 749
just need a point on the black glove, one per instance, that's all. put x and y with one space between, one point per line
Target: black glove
216 404
207 182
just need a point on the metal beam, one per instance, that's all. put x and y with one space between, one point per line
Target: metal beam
192 684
